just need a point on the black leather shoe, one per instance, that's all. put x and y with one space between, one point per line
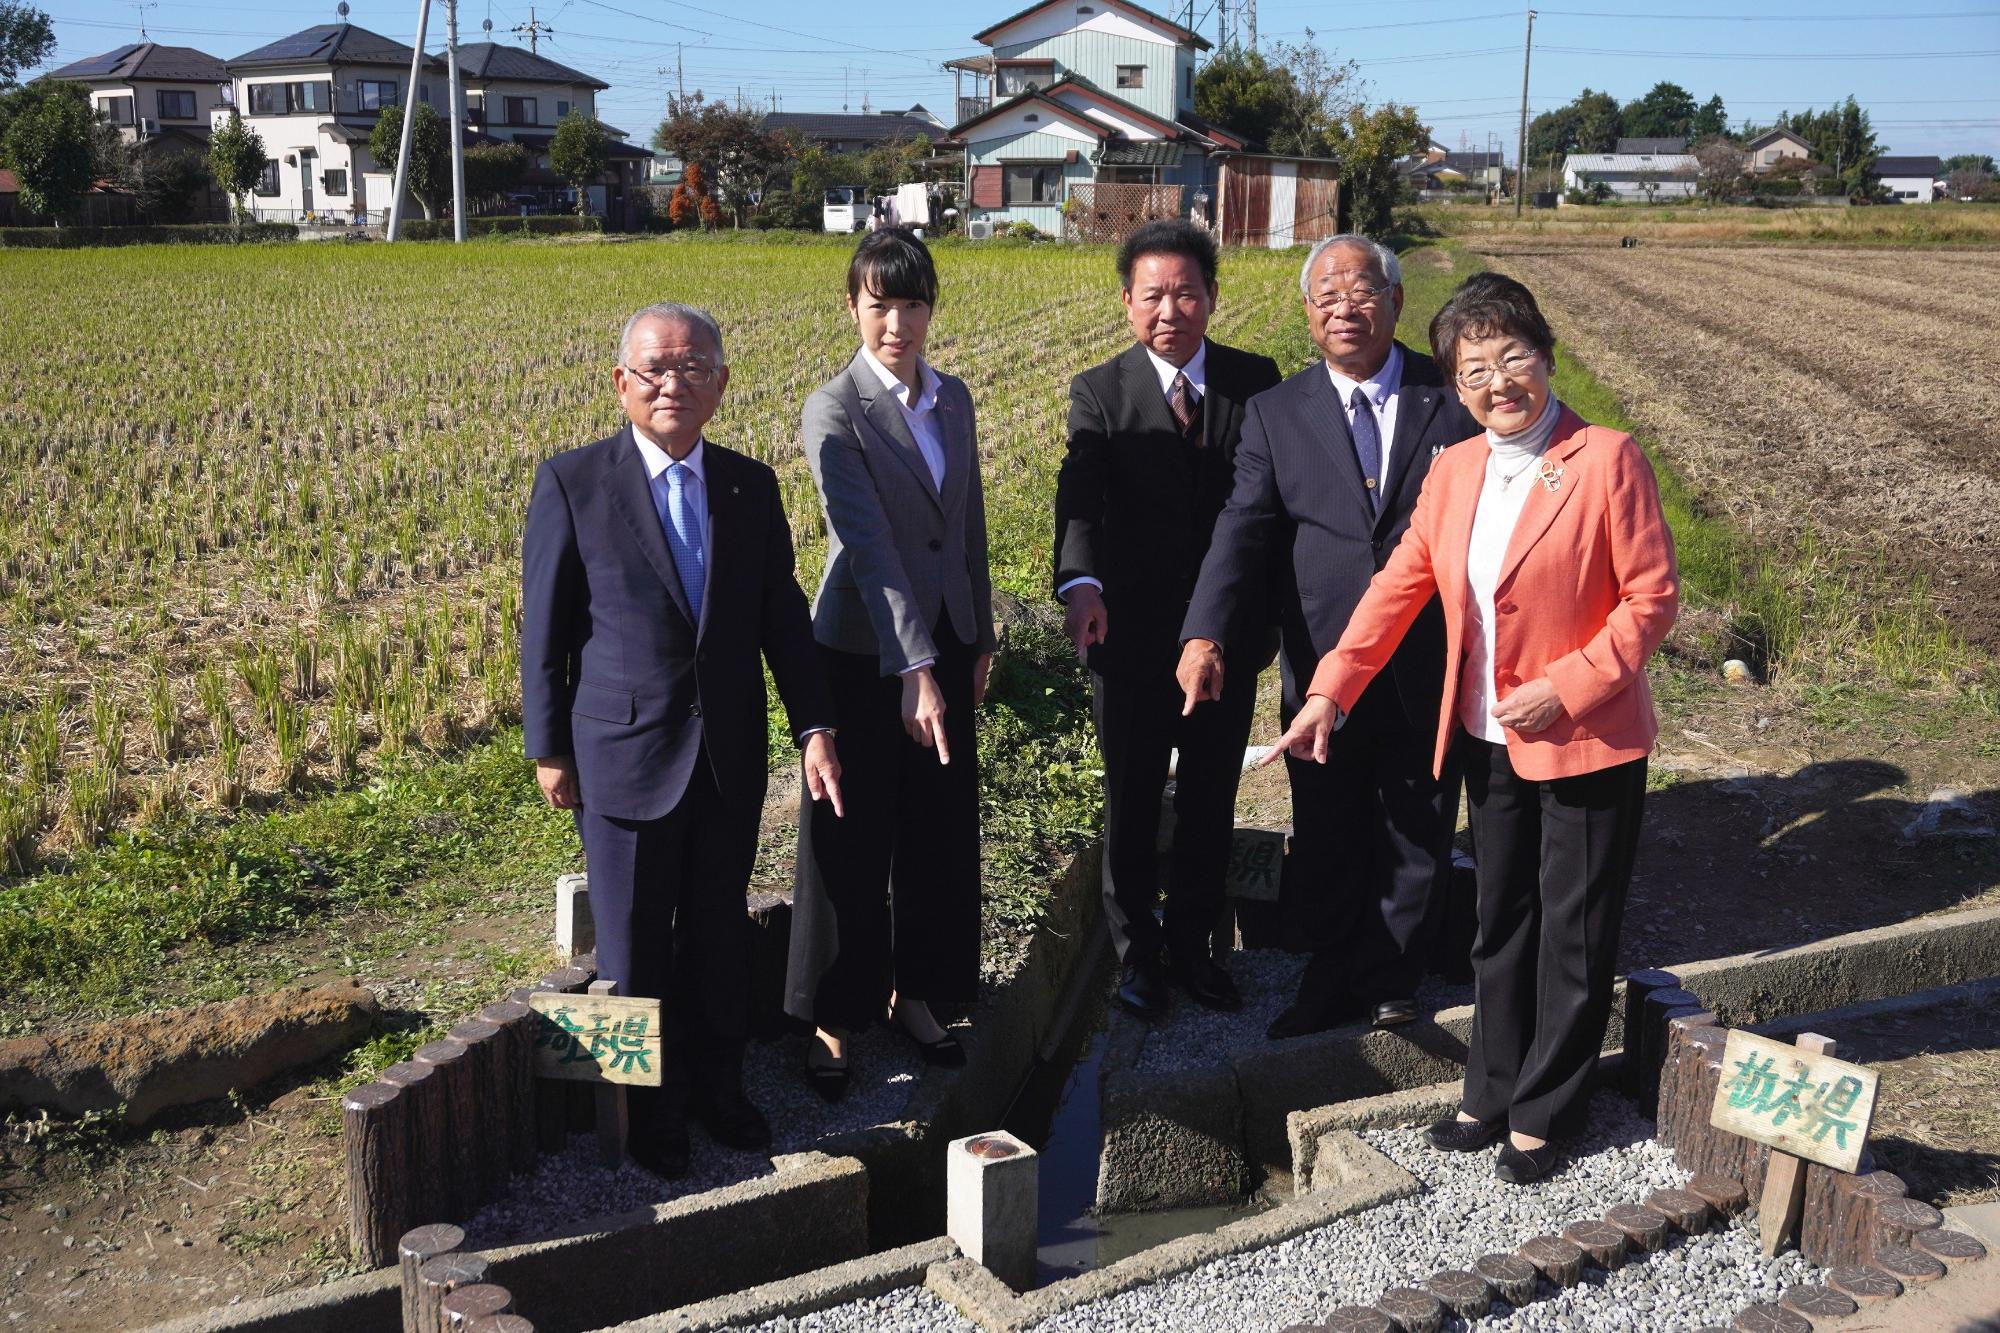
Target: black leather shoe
1142 989
732 1121
1207 983
661 1146
1323 1001
1394 1013
1519 1167
1454 1135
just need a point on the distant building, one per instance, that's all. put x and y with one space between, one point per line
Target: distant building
149 90
840 132
1441 170
1914 180
1771 147
1633 177
519 96
1654 147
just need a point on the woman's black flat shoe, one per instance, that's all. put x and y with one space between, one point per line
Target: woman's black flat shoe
944 1051
829 1081
1454 1135
1519 1166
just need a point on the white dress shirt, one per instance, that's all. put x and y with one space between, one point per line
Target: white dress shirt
1197 372
1510 476
919 412
1380 390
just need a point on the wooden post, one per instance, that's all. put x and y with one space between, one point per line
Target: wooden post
440 1277
1837 1211
1660 1006
500 1323
466 1304
1412 1309
1512 1278
517 1023
418 1247
609 1104
484 1054
1638 985
1700 1147
1680 1079
460 1166
376 1132
1784 1194
428 1136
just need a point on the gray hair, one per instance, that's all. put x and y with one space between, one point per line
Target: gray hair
1385 259
673 312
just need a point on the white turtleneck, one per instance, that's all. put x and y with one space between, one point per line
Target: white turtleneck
1510 476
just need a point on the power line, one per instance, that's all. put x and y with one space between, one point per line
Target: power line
1776 56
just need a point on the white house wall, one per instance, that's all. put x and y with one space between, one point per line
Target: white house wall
545 95
1015 123
1096 55
1125 125
1062 20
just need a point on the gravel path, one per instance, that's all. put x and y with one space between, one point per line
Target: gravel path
906 1310
571 1186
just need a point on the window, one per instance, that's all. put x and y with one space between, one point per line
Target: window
267 184
316 97
176 105
562 108
279 99
1131 76
374 94
521 111
1034 183
1015 79
267 99
475 107
334 182
424 93
117 110
1189 81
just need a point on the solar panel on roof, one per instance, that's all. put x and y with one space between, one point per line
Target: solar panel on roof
104 64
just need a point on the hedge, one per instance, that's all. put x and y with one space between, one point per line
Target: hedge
200 233
543 224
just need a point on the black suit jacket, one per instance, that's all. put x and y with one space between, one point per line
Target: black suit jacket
1136 502
1299 516
613 668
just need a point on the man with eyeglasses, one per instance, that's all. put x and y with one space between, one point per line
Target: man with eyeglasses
657 582
1326 477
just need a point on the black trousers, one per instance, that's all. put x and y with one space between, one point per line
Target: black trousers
1555 861
887 898
667 896
1371 849
1139 724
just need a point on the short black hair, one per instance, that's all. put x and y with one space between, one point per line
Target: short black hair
1484 306
892 263
1168 236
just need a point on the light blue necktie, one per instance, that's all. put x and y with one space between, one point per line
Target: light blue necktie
681 517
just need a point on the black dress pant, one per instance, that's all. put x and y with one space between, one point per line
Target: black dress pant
1555 861
1139 724
1371 848
667 896
887 897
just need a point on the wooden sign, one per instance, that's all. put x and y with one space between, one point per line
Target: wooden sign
1256 856
597 1038
1794 1099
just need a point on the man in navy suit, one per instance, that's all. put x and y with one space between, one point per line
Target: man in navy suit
656 580
1326 476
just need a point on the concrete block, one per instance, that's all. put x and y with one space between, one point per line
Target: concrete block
1169 1140
576 931
1282 1077
1308 1130
992 1201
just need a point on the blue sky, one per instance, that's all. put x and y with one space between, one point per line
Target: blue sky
1927 76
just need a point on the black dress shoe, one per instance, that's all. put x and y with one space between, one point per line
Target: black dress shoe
731 1120
1454 1135
1207 983
1142 989
945 1051
1517 1166
1394 1013
661 1146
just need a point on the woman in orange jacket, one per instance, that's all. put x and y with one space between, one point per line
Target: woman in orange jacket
1545 542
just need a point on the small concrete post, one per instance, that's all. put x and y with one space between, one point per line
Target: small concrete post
991 1206
576 930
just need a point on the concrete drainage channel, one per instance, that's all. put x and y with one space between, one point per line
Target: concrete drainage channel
820 1233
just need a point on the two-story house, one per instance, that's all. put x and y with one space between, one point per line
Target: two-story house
517 95
1091 128
313 98
148 90
1767 150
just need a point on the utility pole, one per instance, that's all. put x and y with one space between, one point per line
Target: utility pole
409 120
1521 152
457 121
1221 26
535 28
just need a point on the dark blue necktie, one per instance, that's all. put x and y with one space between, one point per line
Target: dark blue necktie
1368 447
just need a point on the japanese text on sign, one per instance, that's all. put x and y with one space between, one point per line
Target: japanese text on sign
597 1038
1812 1106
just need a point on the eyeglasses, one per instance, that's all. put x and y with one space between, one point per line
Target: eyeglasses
1514 366
691 373
1361 298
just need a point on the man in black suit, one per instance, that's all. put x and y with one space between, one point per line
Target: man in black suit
1152 447
656 572
1328 472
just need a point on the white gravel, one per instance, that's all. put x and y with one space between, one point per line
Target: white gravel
905 1310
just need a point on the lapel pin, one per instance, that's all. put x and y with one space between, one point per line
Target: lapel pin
1550 475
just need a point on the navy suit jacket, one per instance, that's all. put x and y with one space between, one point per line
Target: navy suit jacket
614 669
1299 517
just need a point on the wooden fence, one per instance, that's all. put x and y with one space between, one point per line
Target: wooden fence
1110 213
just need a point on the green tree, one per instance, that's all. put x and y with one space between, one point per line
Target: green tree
1718 168
1979 162
815 171
1711 120
1321 93
1552 132
1368 144
51 145
578 152
1842 138
494 170
1590 124
732 146
1242 91
429 178
26 39
889 165
1665 112
236 160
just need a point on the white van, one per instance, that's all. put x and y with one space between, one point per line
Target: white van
846 209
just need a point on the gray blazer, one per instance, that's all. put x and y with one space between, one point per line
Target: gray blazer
897 551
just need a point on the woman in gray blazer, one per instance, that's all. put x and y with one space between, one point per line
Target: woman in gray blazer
886 909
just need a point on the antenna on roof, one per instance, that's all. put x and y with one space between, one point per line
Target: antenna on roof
341 10
487 27
142 6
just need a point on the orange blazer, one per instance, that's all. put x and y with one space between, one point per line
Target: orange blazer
1587 590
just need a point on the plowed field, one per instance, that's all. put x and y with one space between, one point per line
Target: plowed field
1847 393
